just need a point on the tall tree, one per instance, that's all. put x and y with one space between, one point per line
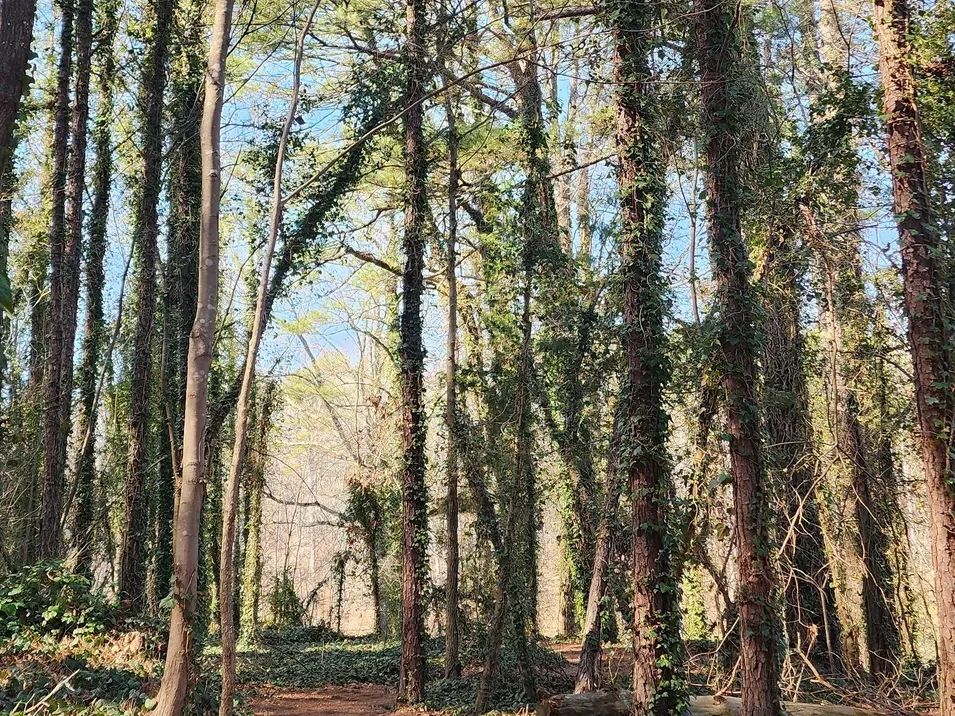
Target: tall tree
658 683
175 681
719 49
925 307
132 568
414 496
94 334
452 663
230 505
56 390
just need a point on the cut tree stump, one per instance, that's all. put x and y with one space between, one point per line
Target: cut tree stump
618 703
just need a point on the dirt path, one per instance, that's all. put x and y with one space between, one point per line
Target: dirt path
357 700
354 700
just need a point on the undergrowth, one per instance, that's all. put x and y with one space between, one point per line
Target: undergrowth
67 650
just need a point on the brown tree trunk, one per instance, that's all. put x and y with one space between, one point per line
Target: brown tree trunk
588 676
452 663
230 501
658 682
94 331
175 681
16 36
54 431
919 239
414 496
719 51
132 564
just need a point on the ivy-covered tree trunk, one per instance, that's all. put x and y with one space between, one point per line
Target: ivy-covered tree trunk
414 496
718 46
659 686
255 491
175 681
132 568
924 296
94 337
55 432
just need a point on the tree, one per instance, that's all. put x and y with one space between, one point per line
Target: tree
658 683
175 681
230 507
94 333
132 569
925 301
718 45
414 496
16 36
56 387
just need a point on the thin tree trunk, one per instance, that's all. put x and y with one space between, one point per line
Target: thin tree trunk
54 431
230 501
452 663
95 333
588 677
16 36
414 496
255 489
132 566
659 686
719 52
175 681
919 239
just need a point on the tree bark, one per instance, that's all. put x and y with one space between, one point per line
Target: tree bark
16 36
919 239
175 681
230 501
452 663
719 52
54 431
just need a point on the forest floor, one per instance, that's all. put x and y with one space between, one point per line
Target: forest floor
365 699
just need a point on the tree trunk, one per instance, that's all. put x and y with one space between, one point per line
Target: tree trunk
132 568
94 332
16 36
658 682
175 681
230 501
919 239
718 47
588 676
414 496
255 489
452 663
54 431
